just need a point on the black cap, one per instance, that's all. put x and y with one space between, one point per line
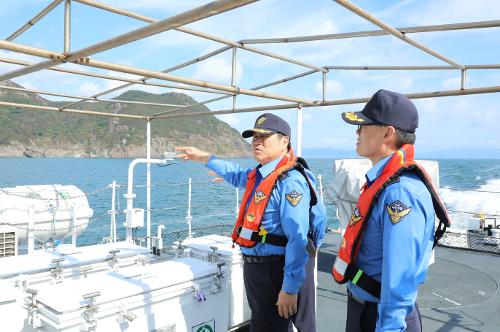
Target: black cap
386 108
267 124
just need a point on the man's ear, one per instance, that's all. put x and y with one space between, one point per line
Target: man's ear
390 133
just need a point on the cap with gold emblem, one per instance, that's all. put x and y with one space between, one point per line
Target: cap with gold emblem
386 108
267 124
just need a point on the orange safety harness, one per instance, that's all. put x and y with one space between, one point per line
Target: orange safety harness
247 230
345 267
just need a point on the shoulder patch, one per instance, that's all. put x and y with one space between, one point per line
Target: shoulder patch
397 211
293 198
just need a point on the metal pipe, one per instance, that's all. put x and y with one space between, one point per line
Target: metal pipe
486 66
283 80
233 75
199 34
360 12
115 78
299 131
210 9
463 78
144 72
237 208
374 33
324 86
447 93
391 67
112 232
189 217
30 230
67 26
148 184
118 101
320 182
130 185
34 20
67 110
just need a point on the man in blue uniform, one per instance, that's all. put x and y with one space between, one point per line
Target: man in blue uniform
398 240
279 280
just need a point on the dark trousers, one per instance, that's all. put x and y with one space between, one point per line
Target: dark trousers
362 317
263 283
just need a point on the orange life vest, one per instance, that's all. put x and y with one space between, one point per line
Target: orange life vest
247 231
345 268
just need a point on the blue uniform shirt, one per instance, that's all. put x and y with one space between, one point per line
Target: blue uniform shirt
396 246
283 216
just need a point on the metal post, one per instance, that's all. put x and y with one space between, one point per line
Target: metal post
189 218
112 227
31 235
324 86
148 184
67 26
320 181
237 208
463 78
73 225
233 75
299 131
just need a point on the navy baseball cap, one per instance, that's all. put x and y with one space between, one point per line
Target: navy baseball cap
386 108
268 124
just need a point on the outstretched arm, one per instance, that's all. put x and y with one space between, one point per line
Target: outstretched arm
192 153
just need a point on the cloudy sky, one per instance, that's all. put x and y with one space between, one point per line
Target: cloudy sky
468 122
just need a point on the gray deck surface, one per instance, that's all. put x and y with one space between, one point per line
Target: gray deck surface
460 294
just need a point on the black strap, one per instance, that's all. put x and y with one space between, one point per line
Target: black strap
364 281
277 240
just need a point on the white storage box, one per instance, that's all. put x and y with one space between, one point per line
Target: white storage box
201 248
163 296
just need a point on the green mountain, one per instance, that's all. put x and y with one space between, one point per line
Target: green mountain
35 133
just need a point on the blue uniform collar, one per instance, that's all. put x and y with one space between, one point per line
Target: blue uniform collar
375 171
269 167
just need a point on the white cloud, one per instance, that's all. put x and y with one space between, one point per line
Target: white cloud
452 83
333 88
88 89
453 11
216 70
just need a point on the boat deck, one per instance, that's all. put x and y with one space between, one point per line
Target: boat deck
460 294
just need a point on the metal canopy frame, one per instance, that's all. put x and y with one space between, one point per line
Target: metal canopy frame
82 57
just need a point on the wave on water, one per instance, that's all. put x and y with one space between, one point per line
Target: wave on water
485 199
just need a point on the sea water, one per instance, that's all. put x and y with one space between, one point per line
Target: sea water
466 185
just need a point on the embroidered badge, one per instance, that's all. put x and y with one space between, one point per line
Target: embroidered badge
293 198
353 117
260 120
258 197
355 217
397 211
250 217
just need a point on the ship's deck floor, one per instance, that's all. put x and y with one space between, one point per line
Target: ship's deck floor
460 294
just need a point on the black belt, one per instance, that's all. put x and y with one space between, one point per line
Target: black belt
262 259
